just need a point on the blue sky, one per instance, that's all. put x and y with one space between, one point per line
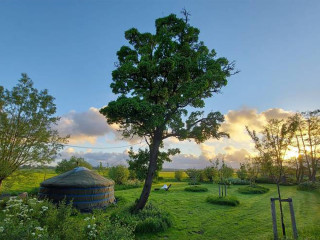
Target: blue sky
69 47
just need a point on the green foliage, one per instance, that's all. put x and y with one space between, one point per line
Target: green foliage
158 78
33 219
237 181
128 185
242 172
27 121
149 220
119 174
255 189
196 189
230 201
210 173
194 175
178 175
139 162
67 165
308 186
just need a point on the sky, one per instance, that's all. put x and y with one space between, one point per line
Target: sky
69 48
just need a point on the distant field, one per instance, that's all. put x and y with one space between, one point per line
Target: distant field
194 218
170 175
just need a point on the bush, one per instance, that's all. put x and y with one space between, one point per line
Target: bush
196 189
149 220
119 174
265 180
253 190
178 175
229 201
194 175
237 181
307 186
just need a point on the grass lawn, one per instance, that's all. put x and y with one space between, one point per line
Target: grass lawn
194 218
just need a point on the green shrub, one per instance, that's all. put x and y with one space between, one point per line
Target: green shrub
178 175
149 220
229 201
194 175
119 174
253 190
196 189
307 186
265 180
237 181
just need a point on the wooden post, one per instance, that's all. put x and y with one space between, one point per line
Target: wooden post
274 219
293 219
225 189
219 190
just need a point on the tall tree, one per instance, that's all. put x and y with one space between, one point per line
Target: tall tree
159 78
273 145
308 140
27 134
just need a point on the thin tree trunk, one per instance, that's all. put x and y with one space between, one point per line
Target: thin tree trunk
281 212
0 184
154 151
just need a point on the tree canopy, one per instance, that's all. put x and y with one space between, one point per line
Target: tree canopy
159 78
27 134
67 165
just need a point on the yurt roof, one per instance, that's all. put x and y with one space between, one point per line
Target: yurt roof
77 177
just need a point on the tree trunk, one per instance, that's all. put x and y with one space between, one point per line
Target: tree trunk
0 184
154 151
281 212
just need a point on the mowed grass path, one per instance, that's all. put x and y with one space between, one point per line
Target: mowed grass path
194 218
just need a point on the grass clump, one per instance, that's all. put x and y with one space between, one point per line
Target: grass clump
196 189
308 186
229 201
253 190
149 220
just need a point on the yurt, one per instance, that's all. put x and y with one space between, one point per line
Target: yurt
86 189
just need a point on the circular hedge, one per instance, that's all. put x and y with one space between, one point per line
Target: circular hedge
196 189
229 201
253 190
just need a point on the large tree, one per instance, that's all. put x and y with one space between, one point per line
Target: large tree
27 134
161 77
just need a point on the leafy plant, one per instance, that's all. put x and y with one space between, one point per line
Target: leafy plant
119 174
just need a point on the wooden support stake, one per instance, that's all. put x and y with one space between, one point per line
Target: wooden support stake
293 219
274 219
225 189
